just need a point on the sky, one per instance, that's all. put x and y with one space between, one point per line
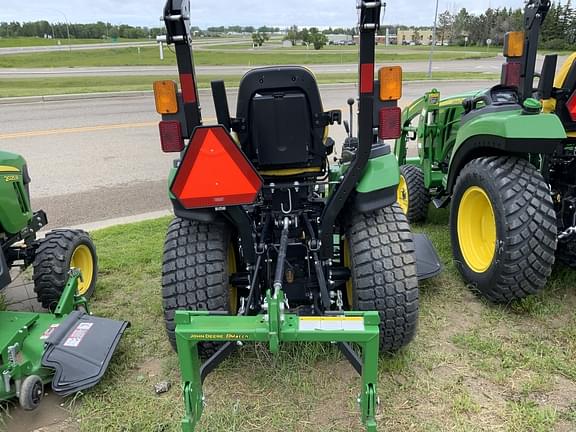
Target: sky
207 13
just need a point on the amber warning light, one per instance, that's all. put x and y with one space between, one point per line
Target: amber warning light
214 172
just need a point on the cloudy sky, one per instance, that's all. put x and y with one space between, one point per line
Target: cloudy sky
321 13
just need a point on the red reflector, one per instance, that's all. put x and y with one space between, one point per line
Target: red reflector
171 136
214 172
188 89
571 105
511 74
367 78
390 119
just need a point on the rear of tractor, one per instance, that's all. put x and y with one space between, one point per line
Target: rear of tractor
269 243
66 347
495 155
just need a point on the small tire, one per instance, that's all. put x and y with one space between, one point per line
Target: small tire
384 278
507 255
413 197
31 393
195 273
56 254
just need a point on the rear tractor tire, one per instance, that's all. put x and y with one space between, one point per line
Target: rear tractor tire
379 251
198 260
413 197
56 254
503 228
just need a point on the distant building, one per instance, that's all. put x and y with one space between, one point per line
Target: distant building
339 39
287 44
414 37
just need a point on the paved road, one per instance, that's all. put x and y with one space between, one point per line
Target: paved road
108 45
490 65
481 65
93 160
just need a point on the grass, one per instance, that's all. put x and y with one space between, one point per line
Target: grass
71 85
472 367
150 56
33 41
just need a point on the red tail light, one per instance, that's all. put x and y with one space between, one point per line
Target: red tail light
571 105
171 136
390 119
511 74
214 172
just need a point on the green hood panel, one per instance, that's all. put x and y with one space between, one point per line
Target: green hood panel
15 211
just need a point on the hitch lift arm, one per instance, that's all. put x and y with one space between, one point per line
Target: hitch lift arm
275 327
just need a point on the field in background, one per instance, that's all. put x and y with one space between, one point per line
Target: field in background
149 56
472 367
101 84
33 42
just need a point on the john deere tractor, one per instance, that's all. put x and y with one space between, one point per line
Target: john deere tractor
66 347
504 158
272 244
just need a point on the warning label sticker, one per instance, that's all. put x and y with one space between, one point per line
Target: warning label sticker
76 336
331 324
49 331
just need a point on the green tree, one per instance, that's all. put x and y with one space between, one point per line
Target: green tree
259 38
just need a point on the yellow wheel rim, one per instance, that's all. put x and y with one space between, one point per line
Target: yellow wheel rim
403 197
232 268
348 263
83 260
477 229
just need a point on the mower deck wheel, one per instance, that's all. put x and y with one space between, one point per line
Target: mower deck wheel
503 228
413 197
59 251
382 261
196 267
31 393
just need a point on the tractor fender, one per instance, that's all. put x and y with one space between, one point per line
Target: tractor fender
501 133
378 185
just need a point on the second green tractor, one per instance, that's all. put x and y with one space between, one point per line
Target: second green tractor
505 161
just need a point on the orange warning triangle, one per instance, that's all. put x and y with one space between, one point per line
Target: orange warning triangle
214 172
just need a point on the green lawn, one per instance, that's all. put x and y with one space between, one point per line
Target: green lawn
150 56
472 367
74 85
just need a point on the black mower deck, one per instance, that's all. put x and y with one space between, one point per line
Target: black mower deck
80 350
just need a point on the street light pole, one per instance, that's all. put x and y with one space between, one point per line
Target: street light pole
67 26
433 41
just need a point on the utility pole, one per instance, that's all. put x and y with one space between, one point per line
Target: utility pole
433 41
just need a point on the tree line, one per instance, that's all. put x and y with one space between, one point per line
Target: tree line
459 28
99 30
558 32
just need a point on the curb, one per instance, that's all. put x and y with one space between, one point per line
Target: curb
71 97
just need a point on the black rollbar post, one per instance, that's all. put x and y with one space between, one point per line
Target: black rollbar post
534 15
368 27
177 20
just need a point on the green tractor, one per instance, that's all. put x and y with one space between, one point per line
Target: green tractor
66 347
504 159
270 243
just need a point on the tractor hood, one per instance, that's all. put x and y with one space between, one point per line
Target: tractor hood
11 162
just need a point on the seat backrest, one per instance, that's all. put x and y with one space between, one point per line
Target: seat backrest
280 121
